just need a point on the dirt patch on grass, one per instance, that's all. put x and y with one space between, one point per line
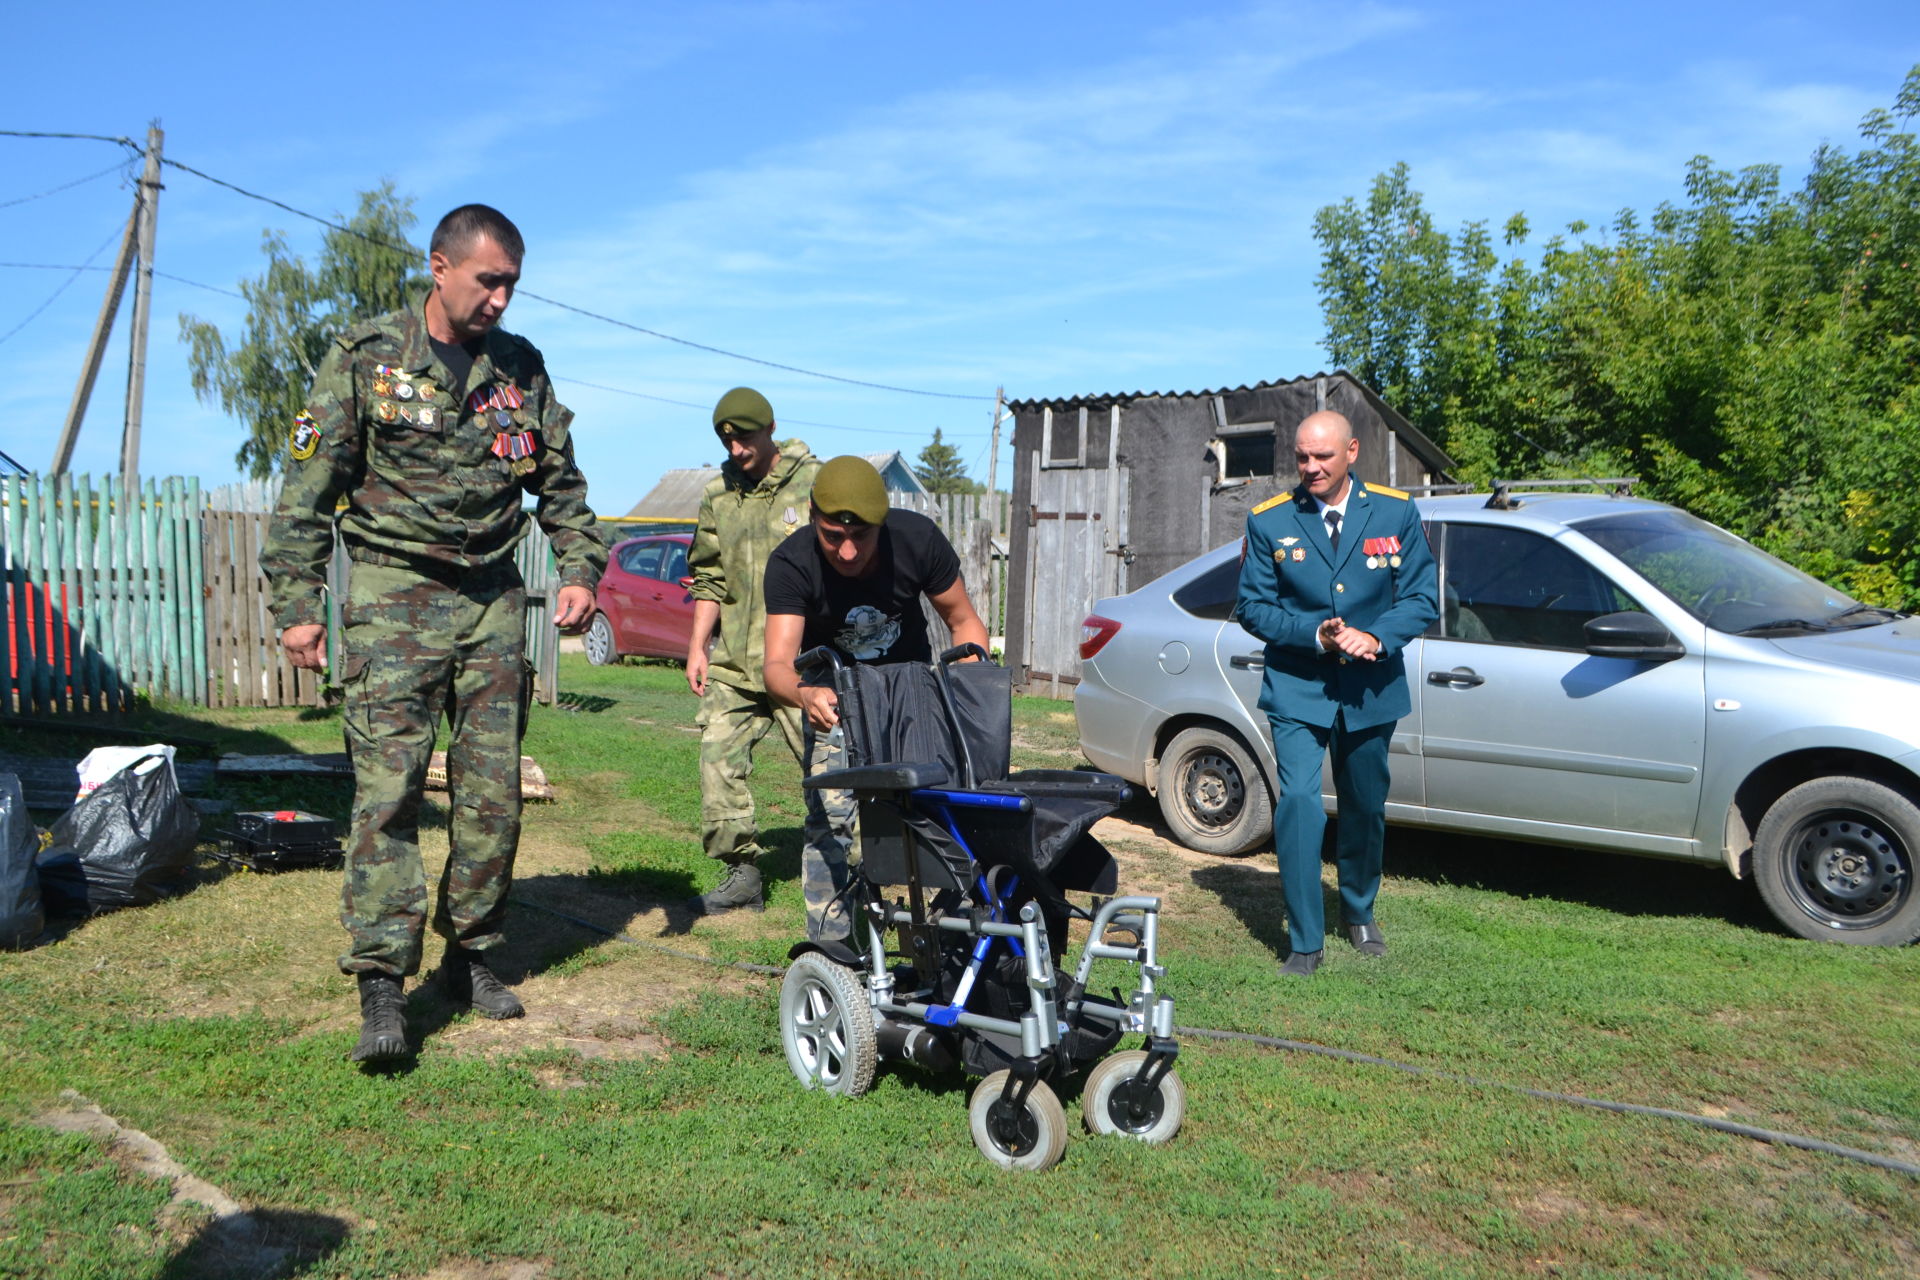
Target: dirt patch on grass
470 1270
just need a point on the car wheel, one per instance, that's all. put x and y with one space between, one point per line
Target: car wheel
1834 861
599 641
1212 793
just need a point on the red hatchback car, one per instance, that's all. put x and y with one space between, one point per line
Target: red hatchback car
643 605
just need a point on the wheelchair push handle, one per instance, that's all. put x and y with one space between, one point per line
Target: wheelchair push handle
968 650
819 665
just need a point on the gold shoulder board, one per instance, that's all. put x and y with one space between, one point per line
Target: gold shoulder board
1385 492
1272 502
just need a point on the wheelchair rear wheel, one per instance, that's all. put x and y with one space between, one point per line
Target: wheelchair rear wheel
1112 1101
826 1026
1034 1138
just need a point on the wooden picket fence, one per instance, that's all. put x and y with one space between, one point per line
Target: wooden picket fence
154 587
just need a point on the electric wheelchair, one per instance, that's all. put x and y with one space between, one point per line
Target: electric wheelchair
959 906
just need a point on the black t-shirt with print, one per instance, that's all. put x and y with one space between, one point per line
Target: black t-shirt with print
876 618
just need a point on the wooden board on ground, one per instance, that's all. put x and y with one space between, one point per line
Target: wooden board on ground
533 779
323 762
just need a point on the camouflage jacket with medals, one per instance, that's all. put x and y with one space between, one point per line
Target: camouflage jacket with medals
428 483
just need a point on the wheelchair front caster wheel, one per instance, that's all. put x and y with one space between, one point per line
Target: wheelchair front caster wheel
1114 1101
826 1026
1032 1138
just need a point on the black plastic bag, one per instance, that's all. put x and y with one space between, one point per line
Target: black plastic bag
128 843
21 919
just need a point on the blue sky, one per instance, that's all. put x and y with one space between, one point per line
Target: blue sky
1054 198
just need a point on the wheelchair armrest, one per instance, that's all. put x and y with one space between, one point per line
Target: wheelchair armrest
909 776
1076 784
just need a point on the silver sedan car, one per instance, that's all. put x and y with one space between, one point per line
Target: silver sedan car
1606 672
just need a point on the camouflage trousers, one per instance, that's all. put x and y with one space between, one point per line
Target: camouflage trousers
732 722
416 649
830 854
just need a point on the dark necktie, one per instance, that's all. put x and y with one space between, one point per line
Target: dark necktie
1333 528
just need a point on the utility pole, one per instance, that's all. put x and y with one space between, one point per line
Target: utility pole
993 456
90 368
147 206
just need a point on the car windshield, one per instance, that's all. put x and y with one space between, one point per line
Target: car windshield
1729 584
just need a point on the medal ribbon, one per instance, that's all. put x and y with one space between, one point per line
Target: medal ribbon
498 396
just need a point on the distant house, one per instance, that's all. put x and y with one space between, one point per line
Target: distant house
1111 491
677 495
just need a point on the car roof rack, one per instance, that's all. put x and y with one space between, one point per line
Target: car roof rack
1502 498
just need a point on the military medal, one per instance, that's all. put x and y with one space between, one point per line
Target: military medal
1287 542
425 418
792 519
403 390
498 396
386 411
1299 553
383 386
1394 561
504 418
1373 562
426 391
517 447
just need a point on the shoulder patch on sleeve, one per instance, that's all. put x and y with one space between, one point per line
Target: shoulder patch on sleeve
1275 501
1385 492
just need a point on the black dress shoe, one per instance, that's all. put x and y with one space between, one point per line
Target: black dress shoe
1367 939
1301 964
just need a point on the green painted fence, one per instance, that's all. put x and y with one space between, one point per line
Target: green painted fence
118 589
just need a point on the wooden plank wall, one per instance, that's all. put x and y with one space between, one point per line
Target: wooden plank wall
971 521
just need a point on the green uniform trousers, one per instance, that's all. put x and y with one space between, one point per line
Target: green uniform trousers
420 647
732 722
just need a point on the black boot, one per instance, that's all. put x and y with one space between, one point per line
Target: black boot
471 982
383 1023
740 889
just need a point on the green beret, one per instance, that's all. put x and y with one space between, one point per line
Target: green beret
849 486
742 411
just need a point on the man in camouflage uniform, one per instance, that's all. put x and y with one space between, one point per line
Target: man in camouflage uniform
432 425
759 498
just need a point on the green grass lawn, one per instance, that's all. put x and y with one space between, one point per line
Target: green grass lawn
642 1122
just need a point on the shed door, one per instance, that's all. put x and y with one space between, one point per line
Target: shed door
1076 555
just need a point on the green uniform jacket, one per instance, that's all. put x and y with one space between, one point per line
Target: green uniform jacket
429 484
740 525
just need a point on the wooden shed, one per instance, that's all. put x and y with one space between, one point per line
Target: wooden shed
1111 491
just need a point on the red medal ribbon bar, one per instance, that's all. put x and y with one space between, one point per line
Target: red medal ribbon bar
498 396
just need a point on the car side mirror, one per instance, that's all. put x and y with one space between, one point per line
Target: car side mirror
1633 635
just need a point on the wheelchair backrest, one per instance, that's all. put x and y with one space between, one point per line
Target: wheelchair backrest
959 714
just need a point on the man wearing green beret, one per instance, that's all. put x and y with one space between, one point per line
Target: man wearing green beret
759 498
853 579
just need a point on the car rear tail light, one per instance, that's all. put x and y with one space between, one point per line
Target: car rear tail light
1094 634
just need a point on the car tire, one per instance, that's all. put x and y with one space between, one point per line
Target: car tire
599 641
1212 793
1834 861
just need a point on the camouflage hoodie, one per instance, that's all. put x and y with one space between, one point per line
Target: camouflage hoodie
740 525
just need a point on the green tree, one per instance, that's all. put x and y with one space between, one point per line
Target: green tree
1752 353
293 312
940 469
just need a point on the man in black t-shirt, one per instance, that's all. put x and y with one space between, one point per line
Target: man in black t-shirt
852 579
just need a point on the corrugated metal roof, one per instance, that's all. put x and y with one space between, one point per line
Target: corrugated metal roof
1416 439
677 495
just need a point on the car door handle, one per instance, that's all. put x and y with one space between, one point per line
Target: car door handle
1248 661
1465 677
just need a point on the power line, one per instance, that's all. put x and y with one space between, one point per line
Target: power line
565 306
685 404
117 167
128 143
114 235
57 266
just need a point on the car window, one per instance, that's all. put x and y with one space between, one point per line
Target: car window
1434 533
1211 595
1512 586
1725 582
642 558
676 561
